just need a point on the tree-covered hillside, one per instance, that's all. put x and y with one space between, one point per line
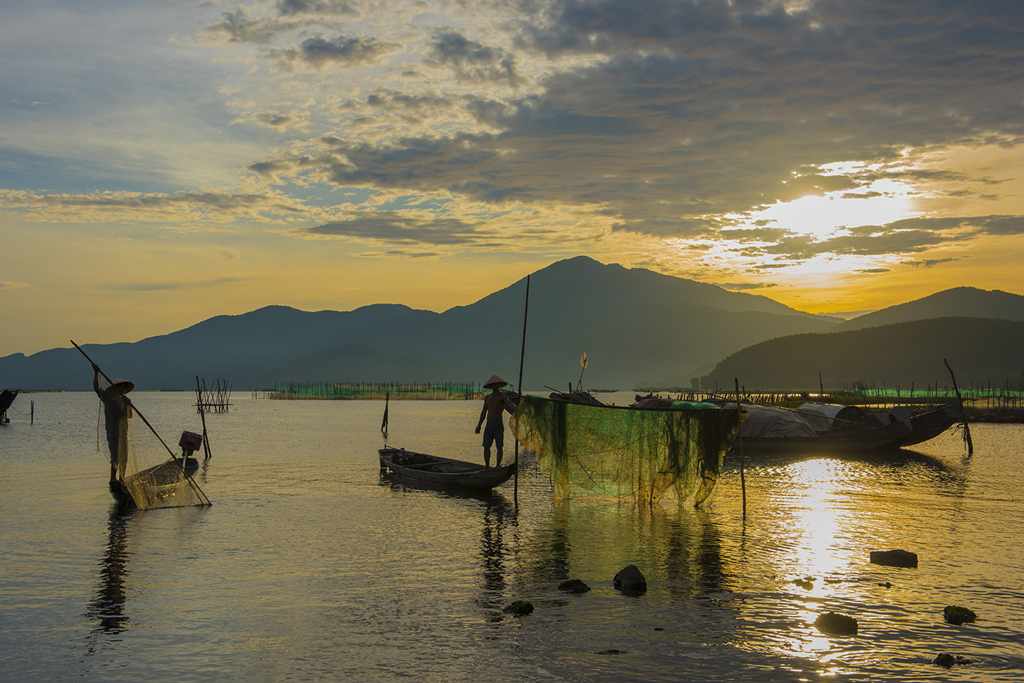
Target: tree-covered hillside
980 350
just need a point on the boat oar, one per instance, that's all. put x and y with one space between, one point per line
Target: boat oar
195 487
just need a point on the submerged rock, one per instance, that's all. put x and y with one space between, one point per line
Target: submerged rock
630 580
947 660
519 608
894 558
573 586
837 624
955 614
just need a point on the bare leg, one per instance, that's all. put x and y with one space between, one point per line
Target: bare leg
500 453
487 456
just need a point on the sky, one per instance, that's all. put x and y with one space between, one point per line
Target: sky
165 162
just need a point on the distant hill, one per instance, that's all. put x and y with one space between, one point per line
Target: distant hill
960 301
634 324
979 350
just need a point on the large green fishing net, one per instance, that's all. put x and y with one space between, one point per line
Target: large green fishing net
607 452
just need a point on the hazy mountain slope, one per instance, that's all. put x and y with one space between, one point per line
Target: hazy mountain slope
960 301
351 363
979 350
270 335
634 324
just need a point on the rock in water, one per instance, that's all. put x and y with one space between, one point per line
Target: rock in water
837 624
573 586
894 558
630 580
955 614
519 608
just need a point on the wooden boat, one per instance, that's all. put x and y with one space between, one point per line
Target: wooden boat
826 428
437 471
6 399
929 424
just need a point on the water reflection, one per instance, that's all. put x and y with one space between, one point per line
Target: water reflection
108 605
498 515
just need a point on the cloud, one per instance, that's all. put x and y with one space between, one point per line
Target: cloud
320 53
319 8
242 27
471 60
281 122
691 111
396 228
137 206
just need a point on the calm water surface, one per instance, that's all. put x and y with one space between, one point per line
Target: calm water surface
311 566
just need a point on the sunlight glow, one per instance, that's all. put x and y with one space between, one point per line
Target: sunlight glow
822 216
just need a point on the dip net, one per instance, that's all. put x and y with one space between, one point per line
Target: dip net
617 453
149 474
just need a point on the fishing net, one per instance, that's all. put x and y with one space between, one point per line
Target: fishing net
149 476
627 454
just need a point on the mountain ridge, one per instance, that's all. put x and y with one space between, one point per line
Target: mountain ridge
637 327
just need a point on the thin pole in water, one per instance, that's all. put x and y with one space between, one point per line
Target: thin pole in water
202 416
963 415
739 439
519 386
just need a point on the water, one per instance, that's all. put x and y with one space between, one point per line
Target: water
311 566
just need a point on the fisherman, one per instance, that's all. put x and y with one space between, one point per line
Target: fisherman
117 409
494 404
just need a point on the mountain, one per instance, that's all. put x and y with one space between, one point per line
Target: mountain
979 350
960 301
635 325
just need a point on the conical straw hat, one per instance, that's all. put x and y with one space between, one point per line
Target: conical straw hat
123 384
494 381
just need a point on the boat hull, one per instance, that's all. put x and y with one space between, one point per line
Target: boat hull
446 472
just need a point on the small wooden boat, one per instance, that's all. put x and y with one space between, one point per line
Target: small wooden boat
431 469
6 399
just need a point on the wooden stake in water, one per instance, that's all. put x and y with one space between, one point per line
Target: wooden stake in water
739 440
963 415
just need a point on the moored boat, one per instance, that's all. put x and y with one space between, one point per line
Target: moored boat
447 472
815 427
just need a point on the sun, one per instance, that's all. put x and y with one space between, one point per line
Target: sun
829 214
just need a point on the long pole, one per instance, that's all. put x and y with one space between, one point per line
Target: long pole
519 386
739 440
202 416
195 487
963 415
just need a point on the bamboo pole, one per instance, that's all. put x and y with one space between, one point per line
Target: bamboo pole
202 416
739 439
519 386
963 415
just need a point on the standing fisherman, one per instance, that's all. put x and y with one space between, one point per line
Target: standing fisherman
494 404
117 409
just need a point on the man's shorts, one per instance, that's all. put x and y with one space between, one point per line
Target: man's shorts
494 431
